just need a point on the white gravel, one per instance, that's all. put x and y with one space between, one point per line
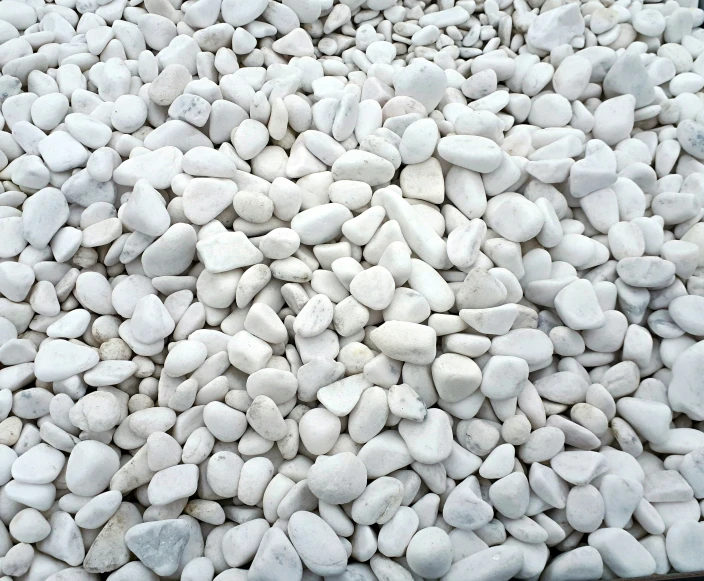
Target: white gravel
376 290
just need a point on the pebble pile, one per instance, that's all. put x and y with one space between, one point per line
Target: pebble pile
357 290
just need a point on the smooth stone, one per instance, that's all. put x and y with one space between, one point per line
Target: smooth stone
61 359
317 544
622 553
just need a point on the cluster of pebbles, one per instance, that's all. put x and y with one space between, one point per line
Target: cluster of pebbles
368 290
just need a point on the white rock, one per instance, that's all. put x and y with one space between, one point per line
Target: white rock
406 341
470 152
90 467
621 553
60 359
337 479
173 483
316 544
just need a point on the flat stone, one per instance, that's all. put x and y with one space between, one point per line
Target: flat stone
61 359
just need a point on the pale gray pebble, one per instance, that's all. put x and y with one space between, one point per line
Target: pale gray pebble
159 545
